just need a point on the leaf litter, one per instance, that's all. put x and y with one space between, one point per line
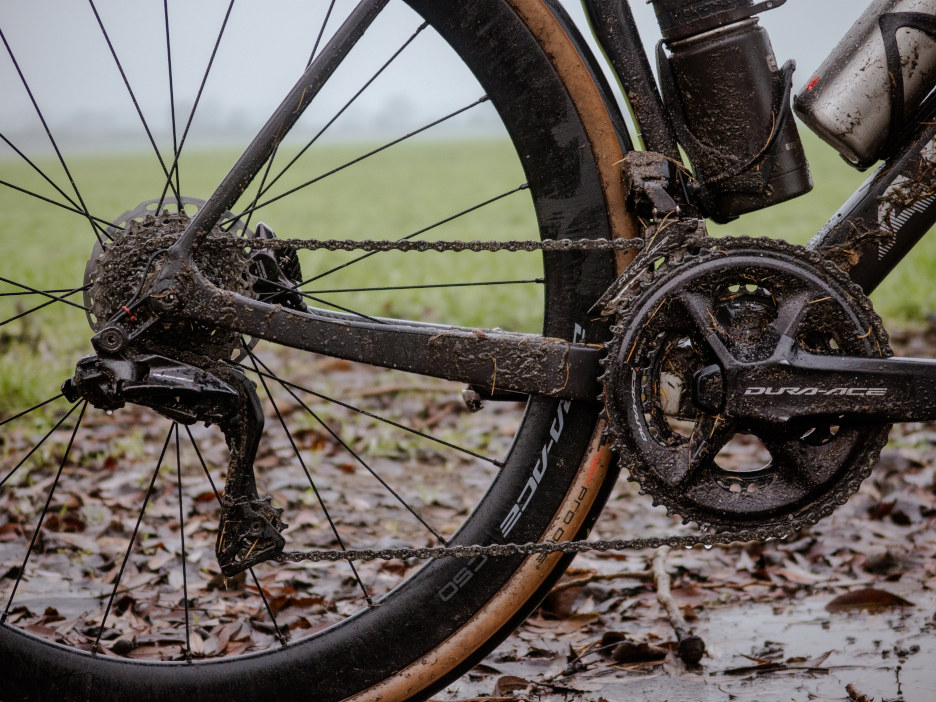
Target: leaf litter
770 614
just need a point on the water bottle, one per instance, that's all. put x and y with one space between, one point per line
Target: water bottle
729 101
874 81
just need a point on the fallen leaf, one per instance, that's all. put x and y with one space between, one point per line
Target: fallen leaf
634 652
509 683
869 599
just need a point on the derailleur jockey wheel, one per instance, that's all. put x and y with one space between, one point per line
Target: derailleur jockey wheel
738 302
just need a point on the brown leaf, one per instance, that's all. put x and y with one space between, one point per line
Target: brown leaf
561 603
575 622
815 662
509 683
869 599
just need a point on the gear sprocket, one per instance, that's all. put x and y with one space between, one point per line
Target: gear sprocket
745 300
116 274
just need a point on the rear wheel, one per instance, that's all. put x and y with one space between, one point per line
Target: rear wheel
358 458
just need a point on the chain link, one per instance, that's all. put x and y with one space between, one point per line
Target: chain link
380 246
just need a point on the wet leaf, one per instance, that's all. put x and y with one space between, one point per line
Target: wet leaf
510 683
869 599
634 652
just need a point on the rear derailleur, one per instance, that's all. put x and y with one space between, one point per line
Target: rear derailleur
249 529
182 370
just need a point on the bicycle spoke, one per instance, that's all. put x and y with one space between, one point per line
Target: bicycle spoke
280 636
345 446
379 418
266 603
373 152
40 442
126 558
96 221
321 32
185 597
318 496
44 293
340 112
174 171
420 232
31 409
434 286
23 293
39 307
172 109
322 301
239 178
47 179
45 509
83 207
133 98
269 165
334 305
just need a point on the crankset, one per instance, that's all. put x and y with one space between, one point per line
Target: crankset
748 383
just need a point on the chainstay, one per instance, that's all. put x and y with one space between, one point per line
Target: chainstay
722 538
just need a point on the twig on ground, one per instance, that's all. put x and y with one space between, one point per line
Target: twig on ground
691 647
598 577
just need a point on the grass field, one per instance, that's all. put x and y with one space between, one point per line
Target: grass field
394 194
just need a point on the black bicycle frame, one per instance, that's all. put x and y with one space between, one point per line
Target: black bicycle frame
887 216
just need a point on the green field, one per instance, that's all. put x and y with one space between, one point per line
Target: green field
394 194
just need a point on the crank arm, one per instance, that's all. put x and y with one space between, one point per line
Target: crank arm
804 385
497 361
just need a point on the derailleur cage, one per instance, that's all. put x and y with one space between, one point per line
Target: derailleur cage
249 527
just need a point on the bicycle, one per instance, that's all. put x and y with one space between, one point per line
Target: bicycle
179 292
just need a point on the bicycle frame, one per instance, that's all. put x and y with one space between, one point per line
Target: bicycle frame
885 218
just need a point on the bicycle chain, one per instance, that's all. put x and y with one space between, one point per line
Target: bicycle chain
708 540
502 550
384 245
535 548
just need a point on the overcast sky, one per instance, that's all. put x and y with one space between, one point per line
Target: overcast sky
59 47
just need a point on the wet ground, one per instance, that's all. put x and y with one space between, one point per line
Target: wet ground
842 611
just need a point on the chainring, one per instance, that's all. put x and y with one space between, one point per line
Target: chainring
720 471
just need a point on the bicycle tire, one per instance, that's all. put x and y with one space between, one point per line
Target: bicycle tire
561 127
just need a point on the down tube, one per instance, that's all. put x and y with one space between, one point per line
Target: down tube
891 211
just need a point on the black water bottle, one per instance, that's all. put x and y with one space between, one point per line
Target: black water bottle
730 104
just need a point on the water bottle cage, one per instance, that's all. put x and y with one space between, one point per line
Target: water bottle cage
740 173
890 24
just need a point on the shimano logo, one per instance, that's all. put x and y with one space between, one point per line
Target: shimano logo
850 392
